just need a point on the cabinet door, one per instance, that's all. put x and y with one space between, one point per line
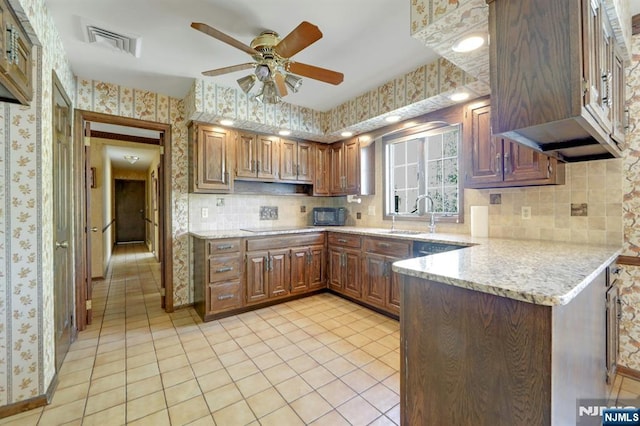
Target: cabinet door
352 273
337 169
257 285
317 266
267 147
375 279
304 165
300 269
288 159
211 151
482 152
619 105
322 170
279 272
352 167
223 296
336 261
612 300
246 155
523 164
392 302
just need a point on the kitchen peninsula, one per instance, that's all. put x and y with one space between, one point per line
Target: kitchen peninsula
503 333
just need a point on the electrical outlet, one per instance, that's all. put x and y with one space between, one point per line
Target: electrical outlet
526 212
220 202
204 212
371 211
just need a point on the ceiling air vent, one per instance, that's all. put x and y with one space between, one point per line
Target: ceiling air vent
115 40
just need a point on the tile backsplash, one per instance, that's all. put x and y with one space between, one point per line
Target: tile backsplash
247 211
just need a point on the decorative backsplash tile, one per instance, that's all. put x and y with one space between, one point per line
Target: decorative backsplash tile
268 213
579 209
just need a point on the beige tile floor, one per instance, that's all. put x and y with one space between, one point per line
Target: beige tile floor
319 360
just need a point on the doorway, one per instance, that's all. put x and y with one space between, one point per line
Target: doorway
89 125
130 196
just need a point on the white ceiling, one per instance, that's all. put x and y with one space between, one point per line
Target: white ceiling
117 153
367 40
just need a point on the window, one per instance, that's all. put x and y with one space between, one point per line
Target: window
423 161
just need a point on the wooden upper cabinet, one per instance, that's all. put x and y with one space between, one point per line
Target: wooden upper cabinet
482 152
296 161
492 162
619 109
336 164
553 79
352 167
257 156
322 182
15 61
210 158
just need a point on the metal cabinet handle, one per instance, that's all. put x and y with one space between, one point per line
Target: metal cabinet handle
279 291
384 245
224 247
225 269
258 166
498 167
342 240
94 229
225 296
506 164
619 309
62 244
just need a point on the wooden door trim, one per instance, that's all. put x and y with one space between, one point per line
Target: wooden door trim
164 201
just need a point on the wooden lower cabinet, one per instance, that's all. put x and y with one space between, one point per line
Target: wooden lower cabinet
375 279
284 266
344 264
217 276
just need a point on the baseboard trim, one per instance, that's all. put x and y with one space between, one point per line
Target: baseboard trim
31 403
628 372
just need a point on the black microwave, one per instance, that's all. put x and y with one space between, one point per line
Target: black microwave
329 216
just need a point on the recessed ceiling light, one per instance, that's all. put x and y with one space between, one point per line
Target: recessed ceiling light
393 118
468 43
365 138
346 134
284 132
226 122
459 96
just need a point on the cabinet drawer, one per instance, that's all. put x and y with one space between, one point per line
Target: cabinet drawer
285 241
395 248
344 240
224 246
223 296
223 268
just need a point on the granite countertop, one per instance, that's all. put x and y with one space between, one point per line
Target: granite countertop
541 272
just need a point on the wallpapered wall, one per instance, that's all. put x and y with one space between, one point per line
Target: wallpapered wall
26 250
630 277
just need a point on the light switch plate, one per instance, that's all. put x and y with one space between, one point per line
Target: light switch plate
371 211
204 212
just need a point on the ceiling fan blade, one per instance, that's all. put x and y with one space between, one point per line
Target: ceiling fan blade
226 70
316 73
223 37
301 37
282 88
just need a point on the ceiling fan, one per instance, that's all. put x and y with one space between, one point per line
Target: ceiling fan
272 64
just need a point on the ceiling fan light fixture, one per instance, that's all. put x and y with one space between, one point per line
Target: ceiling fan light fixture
293 82
247 83
263 72
269 94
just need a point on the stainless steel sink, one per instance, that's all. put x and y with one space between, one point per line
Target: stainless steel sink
405 232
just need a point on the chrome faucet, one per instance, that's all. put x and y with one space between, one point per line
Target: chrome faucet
432 223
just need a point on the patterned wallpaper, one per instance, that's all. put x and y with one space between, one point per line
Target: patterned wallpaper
630 277
26 251
416 93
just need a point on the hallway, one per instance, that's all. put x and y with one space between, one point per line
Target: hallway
320 360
